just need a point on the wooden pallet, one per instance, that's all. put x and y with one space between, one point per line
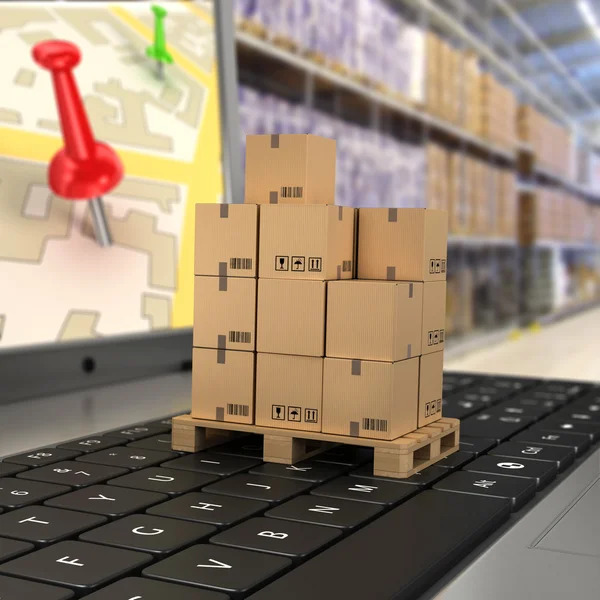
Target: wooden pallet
399 458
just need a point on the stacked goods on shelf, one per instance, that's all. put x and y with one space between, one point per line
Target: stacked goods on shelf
499 113
471 117
443 79
550 143
373 169
552 214
481 197
366 39
437 177
285 337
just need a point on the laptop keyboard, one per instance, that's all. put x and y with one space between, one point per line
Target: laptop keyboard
120 516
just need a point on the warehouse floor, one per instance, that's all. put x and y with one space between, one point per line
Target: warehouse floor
569 349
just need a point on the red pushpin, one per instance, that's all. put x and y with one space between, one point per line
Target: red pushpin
84 169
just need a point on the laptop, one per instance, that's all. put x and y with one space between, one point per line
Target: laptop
95 503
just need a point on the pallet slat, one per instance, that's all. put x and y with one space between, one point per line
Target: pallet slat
399 458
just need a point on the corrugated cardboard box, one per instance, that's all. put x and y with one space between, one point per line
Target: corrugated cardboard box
291 317
434 317
290 169
307 242
223 385
408 244
289 391
226 242
374 320
225 312
370 399
430 388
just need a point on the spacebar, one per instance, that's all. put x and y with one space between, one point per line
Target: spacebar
397 556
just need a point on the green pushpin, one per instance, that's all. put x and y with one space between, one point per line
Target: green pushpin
158 50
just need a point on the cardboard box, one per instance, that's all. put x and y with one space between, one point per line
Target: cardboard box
374 320
226 242
225 312
434 317
431 368
291 317
223 385
307 242
370 399
408 244
290 169
289 391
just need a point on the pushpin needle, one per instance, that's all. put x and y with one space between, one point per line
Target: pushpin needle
84 168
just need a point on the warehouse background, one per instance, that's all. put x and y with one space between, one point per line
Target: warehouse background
485 108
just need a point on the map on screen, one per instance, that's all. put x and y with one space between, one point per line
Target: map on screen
56 282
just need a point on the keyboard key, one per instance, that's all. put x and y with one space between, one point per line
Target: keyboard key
40 458
75 564
513 409
332 512
15 493
460 408
476 445
228 570
18 589
133 588
308 470
162 442
485 393
366 490
42 525
442 528
214 464
529 402
250 446
164 424
12 548
426 477
578 415
221 511
285 538
580 443
259 487
73 474
127 458
560 389
352 456
165 481
137 433
517 490
146 533
560 456
571 426
456 461
92 444
540 471
590 403
510 383
493 426
7 470
110 501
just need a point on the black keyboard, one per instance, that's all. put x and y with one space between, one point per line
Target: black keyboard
119 516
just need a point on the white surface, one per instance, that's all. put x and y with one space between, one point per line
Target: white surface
568 349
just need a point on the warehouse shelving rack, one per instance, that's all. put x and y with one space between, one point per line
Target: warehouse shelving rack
449 17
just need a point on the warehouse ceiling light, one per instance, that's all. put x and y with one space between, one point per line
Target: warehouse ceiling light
588 14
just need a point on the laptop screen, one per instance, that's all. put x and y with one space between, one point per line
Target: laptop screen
119 259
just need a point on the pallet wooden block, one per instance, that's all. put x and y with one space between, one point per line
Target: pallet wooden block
399 458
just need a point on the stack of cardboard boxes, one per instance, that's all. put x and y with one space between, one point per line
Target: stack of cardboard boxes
284 335
551 143
499 113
